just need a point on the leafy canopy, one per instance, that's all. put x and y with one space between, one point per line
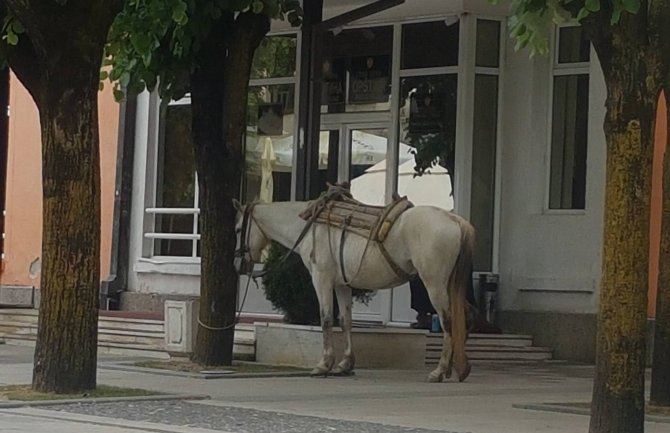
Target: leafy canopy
532 19
155 42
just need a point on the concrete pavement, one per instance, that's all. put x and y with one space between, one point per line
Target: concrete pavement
483 404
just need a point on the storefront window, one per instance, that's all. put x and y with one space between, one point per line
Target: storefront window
430 45
357 70
175 181
427 138
270 142
570 109
275 57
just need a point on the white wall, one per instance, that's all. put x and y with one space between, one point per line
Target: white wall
549 260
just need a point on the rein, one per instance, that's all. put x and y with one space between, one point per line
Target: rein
246 234
244 249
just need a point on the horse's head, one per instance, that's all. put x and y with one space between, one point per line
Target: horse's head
252 239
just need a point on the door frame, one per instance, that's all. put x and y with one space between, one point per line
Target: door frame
345 123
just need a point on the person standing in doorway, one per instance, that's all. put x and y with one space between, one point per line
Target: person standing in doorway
420 302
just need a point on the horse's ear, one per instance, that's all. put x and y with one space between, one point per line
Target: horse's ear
237 205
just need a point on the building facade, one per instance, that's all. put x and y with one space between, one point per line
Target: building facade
520 153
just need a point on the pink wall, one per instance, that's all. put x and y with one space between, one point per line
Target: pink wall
24 185
656 203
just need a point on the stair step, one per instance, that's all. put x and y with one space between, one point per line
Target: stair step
133 336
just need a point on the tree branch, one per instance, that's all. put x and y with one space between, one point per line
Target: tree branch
21 59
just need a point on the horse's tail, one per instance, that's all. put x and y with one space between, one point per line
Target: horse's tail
460 283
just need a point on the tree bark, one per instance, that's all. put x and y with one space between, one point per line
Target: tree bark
219 129
631 74
66 44
660 372
66 351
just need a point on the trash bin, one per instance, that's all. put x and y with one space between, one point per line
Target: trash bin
488 294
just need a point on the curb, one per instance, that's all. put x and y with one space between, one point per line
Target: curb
14 404
211 375
93 420
580 411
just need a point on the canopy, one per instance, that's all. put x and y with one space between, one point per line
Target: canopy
366 149
432 188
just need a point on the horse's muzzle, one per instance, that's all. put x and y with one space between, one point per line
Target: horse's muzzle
243 266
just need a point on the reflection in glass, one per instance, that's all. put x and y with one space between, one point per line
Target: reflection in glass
429 45
428 128
357 70
488 43
269 142
484 139
569 136
175 180
573 45
275 57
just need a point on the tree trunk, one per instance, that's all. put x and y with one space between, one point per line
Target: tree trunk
630 72
660 373
66 351
58 59
220 161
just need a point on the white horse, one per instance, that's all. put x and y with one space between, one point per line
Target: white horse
426 240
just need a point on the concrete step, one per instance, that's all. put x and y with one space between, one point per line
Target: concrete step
496 353
512 340
130 336
492 347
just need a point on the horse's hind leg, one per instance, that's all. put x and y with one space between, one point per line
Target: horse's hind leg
458 331
440 300
346 366
324 292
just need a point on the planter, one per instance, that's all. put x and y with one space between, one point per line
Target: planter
301 346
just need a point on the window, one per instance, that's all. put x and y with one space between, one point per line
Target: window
569 120
173 221
484 142
271 121
175 214
269 142
430 45
357 70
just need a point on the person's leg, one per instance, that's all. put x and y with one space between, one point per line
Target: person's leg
420 302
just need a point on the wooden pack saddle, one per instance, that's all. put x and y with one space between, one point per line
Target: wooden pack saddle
338 208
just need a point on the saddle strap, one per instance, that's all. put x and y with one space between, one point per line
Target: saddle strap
342 237
400 272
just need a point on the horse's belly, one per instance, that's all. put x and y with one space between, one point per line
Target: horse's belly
373 273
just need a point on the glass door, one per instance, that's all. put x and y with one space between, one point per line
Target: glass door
363 164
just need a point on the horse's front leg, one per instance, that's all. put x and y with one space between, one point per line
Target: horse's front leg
346 366
324 292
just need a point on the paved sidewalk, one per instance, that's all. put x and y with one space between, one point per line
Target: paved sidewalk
390 401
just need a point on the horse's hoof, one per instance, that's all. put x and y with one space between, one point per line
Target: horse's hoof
341 372
447 373
435 378
319 372
464 375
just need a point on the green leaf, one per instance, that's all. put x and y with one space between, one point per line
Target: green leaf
179 13
591 6
119 95
12 38
583 13
257 6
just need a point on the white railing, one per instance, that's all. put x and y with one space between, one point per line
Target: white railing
194 236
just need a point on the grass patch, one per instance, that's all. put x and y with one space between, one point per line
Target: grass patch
237 367
649 410
25 393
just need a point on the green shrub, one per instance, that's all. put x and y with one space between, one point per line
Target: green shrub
289 288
